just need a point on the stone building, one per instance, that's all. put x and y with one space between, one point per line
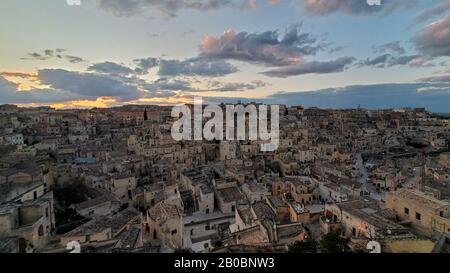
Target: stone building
165 225
426 213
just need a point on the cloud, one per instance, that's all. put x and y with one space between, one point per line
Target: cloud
441 78
394 47
143 65
165 88
195 67
170 8
119 82
316 67
160 94
217 86
379 61
388 60
267 48
168 85
88 85
437 10
353 7
23 75
110 68
9 93
411 60
285 54
64 86
7 86
434 39
373 97
36 56
74 59
48 54
432 96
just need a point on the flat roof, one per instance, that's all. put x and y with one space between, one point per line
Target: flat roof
421 198
231 194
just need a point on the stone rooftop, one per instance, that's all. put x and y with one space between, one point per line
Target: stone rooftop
421 198
263 211
368 210
116 223
277 202
231 194
163 211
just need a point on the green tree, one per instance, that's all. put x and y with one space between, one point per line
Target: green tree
308 246
332 242
72 192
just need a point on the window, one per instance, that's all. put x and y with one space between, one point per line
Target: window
441 213
174 232
41 231
406 211
418 216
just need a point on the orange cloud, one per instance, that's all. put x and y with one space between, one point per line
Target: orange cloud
207 42
24 75
101 102
24 80
165 101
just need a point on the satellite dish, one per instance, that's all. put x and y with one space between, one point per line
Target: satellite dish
374 246
74 246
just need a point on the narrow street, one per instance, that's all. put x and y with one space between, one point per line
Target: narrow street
363 177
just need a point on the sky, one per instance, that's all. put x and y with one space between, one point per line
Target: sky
325 53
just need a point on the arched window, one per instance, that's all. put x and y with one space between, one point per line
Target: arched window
41 231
